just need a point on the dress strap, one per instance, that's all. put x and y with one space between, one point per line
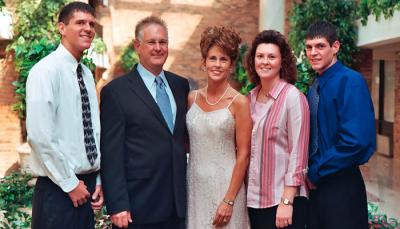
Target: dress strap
233 100
195 95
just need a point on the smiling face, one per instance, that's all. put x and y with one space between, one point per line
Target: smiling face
321 54
218 64
152 48
78 33
267 61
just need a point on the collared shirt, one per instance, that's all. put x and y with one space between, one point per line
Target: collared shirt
54 119
346 122
149 80
279 145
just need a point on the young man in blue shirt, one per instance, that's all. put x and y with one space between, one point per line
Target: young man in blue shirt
342 137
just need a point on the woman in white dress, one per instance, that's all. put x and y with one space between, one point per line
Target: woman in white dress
219 125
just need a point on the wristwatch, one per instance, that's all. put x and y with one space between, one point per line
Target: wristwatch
286 201
228 202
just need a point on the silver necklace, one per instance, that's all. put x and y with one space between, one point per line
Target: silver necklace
213 104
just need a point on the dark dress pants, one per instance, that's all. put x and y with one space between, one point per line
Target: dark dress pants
340 201
265 218
53 209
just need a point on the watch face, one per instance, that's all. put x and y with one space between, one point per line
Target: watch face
286 201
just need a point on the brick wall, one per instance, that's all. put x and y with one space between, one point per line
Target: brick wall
396 134
364 65
186 20
10 131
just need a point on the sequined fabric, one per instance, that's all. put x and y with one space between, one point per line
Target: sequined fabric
211 161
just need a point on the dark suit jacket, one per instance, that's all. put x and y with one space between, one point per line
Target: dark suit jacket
143 165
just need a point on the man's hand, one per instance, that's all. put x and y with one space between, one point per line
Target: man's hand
79 195
97 198
121 219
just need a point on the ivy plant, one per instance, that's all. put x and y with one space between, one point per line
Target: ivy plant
128 57
377 8
2 4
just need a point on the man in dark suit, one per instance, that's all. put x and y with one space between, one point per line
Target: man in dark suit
143 134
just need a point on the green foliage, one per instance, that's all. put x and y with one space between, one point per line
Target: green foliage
36 36
15 198
379 220
128 57
98 45
2 4
240 74
341 13
377 8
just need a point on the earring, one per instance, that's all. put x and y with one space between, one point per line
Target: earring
203 68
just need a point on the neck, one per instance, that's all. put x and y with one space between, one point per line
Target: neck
216 87
76 54
268 84
334 60
154 70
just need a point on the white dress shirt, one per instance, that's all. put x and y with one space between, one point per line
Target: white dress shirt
149 80
54 119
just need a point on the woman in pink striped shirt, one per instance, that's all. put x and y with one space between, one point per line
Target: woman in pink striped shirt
276 196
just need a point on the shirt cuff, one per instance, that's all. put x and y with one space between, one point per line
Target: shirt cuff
98 179
296 178
313 174
69 184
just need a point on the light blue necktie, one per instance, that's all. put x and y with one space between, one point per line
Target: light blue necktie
163 102
313 100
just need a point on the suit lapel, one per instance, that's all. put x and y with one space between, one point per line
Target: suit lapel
177 97
140 89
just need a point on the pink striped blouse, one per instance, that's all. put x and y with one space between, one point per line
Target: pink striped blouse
279 145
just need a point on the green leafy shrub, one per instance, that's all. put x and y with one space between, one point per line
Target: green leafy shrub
379 220
240 74
15 201
128 57
377 8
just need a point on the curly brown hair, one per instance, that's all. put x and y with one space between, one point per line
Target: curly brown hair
225 38
288 70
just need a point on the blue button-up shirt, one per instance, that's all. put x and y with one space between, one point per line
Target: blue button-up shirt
346 122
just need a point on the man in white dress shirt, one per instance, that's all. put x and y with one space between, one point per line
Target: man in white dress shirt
64 128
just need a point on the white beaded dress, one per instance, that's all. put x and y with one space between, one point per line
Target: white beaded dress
211 161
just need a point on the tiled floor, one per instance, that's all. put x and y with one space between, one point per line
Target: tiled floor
382 179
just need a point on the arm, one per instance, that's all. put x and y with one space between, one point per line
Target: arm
355 141
298 120
113 157
42 102
243 122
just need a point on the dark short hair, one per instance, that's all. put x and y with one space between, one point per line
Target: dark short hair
68 10
148 21
322 29
288 70
225 38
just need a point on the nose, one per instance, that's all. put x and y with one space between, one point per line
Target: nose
313 51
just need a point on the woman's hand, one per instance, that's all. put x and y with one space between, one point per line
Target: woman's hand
223 214
284 215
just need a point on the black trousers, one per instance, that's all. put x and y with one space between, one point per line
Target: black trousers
53 209
265 218
340 201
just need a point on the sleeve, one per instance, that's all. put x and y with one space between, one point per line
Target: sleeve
41 102
356 137
113 155
298 121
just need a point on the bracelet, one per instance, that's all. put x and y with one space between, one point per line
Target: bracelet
228 202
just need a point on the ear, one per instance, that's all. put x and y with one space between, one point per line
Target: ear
61 28
336 47
136 44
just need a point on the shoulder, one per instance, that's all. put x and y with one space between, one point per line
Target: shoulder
192 96
351 77
240 101
177 78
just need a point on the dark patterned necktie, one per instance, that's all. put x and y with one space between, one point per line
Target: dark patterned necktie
90 144
313 100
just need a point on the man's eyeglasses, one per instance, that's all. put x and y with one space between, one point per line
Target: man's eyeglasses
152 43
